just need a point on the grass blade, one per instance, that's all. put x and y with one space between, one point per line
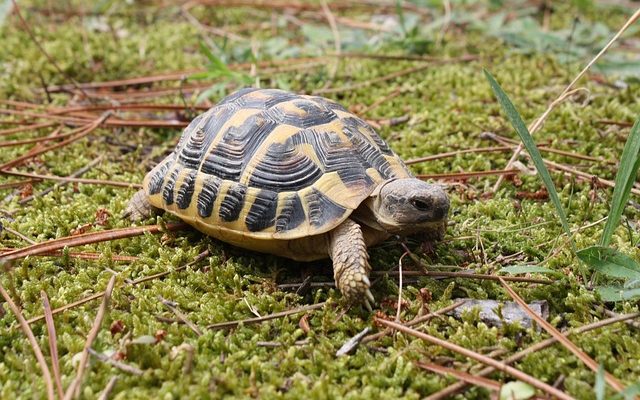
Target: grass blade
617 293
626 176
610 262
527 140
600 386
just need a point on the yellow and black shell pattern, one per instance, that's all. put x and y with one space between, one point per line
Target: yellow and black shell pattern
269 164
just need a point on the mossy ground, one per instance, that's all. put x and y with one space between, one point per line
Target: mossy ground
449 106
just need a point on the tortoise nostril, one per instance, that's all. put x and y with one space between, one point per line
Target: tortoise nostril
421 205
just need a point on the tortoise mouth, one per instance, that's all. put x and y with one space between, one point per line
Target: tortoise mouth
426 231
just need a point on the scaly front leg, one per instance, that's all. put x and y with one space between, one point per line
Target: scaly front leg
351 267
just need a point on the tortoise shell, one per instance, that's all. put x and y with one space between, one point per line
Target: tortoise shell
269 164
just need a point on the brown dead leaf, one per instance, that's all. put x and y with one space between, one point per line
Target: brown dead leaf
538 195
116 327
304 323
81 229
102 216
425 295
160 335
382 316
26 191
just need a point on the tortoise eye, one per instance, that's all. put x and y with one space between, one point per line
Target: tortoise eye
421 205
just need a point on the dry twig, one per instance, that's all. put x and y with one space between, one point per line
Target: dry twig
568 91
46 374
132 283
107 390
456 387
181 317
86 238
233 324
25 25
53 344
68 179
118 364
84 131
610 379
478 357
74 388
415 321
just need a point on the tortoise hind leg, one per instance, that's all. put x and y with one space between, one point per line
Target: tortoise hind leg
351 268
139 207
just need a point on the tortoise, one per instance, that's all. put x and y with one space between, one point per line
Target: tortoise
296 176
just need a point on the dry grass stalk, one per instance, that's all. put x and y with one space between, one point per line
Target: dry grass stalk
53 344
470 174
399 306
337 41
506 141
26 27
478 357
466 275
458 152
415 321
610 379
568 91
75 174
107 389
11 185
360 85
46 374
87 129
71 179
86 238
463 376
457 387
308 6
74 388
85 255
132 283
233 324
175 76
18 234
7 132
118 364
567 170
180 315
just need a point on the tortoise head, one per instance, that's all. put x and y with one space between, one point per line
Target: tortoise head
410 206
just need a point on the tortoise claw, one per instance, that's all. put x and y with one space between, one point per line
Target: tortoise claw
369 297
367 305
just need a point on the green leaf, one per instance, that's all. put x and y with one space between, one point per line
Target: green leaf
215 63
626 176
401 19
617 293
600 385
216 90
317 34
610 262
631 392
527 269
5 9
522 131
622 68
516 390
